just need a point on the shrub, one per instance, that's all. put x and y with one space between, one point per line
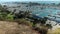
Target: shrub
9 17
24 21
6 16
41 30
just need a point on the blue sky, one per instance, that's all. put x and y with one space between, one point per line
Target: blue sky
26 0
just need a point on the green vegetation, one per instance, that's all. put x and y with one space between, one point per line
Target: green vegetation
5 15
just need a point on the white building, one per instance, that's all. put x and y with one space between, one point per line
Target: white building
53 23
56 26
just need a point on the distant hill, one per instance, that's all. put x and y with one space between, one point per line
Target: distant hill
46 2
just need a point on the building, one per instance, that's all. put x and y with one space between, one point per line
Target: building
53 23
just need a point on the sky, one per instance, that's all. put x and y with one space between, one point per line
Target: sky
26 0
20 0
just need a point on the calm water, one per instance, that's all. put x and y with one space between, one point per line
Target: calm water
45 12
48 11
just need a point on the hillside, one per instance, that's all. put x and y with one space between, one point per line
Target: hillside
7 27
